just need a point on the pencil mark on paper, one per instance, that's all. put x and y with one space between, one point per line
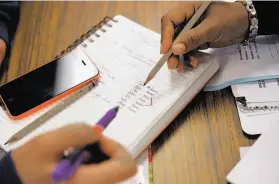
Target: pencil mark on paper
121 65
138 97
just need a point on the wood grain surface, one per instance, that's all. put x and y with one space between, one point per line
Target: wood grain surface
200 146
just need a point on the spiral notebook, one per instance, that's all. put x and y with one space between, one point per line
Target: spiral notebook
125 52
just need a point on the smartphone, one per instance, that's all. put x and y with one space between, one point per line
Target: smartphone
47 84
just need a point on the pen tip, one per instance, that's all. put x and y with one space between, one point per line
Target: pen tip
116 108
147 80
11 140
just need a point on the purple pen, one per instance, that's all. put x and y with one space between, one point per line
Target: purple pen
67 167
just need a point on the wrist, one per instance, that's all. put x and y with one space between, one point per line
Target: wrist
252 25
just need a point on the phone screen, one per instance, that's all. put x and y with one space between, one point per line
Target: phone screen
46 82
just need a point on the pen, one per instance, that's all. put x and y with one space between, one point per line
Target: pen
88 154
51 113
165 57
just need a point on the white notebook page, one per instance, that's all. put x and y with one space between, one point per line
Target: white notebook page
124 55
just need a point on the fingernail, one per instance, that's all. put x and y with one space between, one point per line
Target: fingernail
179 48
194 61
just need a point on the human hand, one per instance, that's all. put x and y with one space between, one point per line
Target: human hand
3 48
223 24
36 160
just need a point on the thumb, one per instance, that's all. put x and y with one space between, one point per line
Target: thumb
192 39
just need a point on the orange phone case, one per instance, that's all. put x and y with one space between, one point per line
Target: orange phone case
51 101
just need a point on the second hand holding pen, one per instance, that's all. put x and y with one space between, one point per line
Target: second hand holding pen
188 26
92 153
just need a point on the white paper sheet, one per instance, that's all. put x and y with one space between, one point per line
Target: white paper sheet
239 64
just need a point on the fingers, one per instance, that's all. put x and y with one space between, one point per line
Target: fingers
187 41
168 22
193 38
167 34
194 61
74 135
119 167
2 50
173 62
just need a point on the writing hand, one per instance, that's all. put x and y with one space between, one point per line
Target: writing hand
223 24
35 160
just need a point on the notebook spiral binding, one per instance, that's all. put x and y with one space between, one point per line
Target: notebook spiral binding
243 102
85 36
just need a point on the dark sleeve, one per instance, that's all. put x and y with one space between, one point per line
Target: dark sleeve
267 13
8 173
9 18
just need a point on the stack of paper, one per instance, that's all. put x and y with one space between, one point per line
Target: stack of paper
253 74
258 107
239 64
258 104
260 164
243 151
252 71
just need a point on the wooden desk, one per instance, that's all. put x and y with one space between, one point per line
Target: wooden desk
200 146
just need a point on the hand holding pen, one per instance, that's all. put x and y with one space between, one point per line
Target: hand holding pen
223 24
40 160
